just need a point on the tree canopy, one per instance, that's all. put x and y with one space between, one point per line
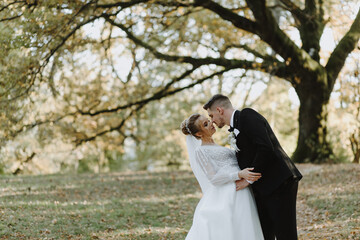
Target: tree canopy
89 68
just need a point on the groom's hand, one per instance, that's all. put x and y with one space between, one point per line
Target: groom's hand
249 175
241 184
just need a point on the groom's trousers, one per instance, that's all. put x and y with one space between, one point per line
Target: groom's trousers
277 212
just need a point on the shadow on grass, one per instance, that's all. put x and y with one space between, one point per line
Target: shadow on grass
158 205
332 195
78 207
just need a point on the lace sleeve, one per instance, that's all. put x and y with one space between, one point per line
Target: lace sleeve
217 175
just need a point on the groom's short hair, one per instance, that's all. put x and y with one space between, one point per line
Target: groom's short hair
218 100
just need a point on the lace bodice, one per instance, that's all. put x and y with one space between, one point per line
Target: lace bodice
218 163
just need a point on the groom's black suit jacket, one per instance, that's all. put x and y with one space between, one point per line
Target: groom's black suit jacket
259 148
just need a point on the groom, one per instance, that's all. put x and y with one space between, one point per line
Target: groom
275 192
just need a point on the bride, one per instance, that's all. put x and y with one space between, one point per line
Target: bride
222 213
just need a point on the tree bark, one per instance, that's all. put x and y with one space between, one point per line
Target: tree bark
313 145
355 146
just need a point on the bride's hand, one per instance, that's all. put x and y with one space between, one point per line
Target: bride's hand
249 175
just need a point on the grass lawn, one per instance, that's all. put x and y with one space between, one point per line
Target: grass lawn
141 205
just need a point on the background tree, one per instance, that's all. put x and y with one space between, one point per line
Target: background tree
348 110
66 63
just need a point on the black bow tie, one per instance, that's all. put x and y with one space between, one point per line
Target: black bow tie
231 129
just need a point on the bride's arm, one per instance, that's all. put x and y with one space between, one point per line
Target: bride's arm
217 175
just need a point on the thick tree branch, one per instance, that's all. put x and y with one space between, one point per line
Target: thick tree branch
79 141
10 18
38 70
229 15
2 8
321 9
346 45
294 9
166 91
199 81
121 4
281 70
271 33
38 123
30 5
66 37
252 51
156 96
81 24
28 159
140 104
265 27
310 7
195 62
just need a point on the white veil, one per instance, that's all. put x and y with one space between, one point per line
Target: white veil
192 143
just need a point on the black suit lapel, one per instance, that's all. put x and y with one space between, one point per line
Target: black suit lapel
236 119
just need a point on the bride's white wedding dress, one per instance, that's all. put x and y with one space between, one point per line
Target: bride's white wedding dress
222 213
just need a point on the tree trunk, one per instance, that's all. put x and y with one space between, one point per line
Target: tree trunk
312 143
355 145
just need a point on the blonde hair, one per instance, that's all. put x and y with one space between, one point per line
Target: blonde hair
189 126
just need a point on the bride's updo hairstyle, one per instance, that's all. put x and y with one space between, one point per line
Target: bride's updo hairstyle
189 126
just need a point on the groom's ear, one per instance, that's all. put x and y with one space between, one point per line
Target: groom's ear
220 110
